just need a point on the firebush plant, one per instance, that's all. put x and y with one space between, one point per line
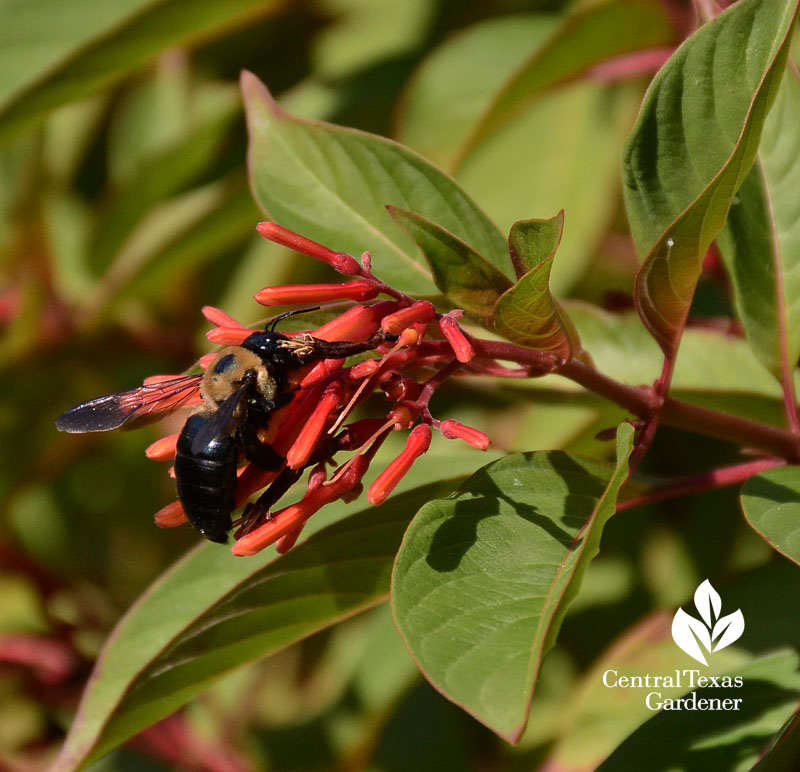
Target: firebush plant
583 247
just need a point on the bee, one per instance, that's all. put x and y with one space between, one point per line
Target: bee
241 389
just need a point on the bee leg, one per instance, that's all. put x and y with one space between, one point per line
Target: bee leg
258 511
267 406
340 349
264 456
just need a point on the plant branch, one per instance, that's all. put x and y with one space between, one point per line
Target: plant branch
683 415
686 486
643 402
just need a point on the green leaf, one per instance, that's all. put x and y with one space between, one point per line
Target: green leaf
465 277
89 45
456 84
527 314
596 33
561 153
729 740
162 174
211 613
532 241
692 146
771 504
784 750
483 578
332 184
761 241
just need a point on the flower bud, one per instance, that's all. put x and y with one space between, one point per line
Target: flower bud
314 428
340 261
229 336
297 294
357 323
291 519
462 348
420 312
170 516
419 441
219 317
456 430
163 449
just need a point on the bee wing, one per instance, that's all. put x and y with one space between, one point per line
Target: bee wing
219 421
130 409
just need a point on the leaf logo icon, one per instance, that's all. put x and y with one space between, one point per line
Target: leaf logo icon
711 632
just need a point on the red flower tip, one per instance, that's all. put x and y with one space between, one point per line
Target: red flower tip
220 318
289 521
170 516
364 369
357 323
462 348
456 430
206 360
297 294
163 449
340 261
314 428
320 371
420 312
419 440
229 336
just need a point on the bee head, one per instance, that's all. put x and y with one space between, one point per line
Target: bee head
234 365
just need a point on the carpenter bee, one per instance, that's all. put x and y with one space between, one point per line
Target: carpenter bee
241 389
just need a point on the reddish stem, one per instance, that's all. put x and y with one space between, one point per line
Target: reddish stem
716 478
643 401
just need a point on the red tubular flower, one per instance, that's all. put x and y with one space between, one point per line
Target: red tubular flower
293 517
420 312
305 433
220 318
229 336
456 430
163 449
342 262
364 369
205 361
357 323
320 372
288 540
297 294
462 348
314 428
419 440
170 516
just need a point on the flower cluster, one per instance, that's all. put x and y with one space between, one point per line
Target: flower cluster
422 349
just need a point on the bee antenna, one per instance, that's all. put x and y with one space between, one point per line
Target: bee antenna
271 324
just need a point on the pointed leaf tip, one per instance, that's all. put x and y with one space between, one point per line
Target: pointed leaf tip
693 144
527 313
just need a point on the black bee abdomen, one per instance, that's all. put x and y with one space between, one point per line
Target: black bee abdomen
206 481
